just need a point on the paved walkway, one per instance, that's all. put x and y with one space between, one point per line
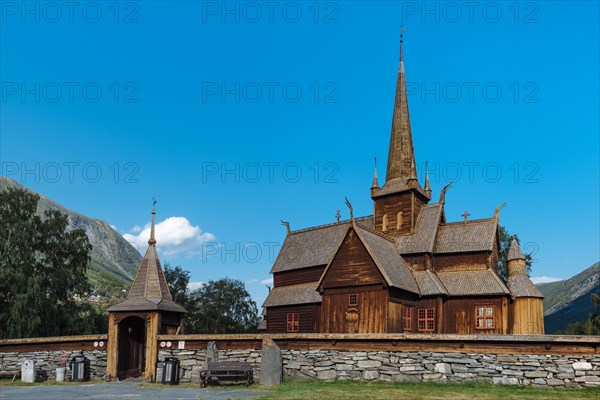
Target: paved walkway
122 391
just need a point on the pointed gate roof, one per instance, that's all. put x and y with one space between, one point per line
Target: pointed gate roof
149 290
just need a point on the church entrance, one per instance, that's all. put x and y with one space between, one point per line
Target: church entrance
461 322
132 347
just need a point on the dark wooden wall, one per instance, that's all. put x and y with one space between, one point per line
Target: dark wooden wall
302 275
408 202
371 309
452 308
308 313
352 265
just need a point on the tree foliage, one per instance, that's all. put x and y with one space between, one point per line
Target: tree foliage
42 270
221 306
505 239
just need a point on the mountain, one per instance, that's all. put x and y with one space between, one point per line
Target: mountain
569 301
114 260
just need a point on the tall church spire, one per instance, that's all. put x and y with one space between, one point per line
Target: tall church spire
401 157
152 240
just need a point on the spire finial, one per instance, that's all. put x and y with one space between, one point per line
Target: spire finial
375 184
402 30
427 187
152 240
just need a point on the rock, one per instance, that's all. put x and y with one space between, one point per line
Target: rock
370 375
327 375
582 366
368 364
429 377
271 366
505 381
536 374
443 368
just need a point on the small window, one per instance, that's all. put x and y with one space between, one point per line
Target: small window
399 220
293 322
415 261
484 317
426 320
353 300
407 319
384 223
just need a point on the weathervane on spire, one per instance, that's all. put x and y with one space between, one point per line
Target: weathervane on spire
154 201
402 30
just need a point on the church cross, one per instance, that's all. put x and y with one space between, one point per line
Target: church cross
338 216
465 215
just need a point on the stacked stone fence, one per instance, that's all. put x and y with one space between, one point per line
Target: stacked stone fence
50 353
549 361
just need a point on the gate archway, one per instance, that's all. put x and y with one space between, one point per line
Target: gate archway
132 347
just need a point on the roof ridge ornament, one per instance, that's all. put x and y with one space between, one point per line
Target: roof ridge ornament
287 226
497 210
351 210
443 193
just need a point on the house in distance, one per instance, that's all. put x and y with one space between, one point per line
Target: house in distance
404 268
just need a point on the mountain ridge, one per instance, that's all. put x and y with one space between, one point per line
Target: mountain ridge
114 259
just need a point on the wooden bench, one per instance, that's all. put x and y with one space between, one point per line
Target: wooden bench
218 372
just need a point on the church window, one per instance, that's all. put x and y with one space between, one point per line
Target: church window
384 224
484 317
293 322
353 300
399 220
426 319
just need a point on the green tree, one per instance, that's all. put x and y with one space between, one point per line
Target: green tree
222 306
178 281
42 269
505 239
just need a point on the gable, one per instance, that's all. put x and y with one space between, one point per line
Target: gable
352 265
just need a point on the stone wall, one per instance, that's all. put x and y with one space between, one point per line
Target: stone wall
329 365
535 370
192 361
48 361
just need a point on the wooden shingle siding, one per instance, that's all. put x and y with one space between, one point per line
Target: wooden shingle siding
371 309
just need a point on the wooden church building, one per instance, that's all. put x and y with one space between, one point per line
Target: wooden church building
404 268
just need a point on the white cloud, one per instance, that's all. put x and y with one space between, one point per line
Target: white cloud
136 229
267 281
544 279
114 227
195 285
174 236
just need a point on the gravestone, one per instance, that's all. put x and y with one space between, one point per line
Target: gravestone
271 365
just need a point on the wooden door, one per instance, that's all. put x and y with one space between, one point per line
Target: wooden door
462 325
132 347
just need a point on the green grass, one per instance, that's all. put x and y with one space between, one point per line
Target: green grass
312 390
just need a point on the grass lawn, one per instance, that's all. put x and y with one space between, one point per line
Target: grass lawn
312 390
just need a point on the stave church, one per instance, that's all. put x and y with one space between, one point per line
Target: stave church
403 269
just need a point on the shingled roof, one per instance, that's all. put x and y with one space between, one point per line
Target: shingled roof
426 229
470 283
521 286
391 265
476 235
149 290
304 293
313 246
429 284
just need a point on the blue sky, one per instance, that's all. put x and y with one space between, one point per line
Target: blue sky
235 115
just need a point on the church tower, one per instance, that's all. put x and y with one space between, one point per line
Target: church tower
398 202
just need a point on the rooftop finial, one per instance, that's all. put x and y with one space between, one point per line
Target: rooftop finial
375 184
338 216
152 240
427 186
287 226
351 209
